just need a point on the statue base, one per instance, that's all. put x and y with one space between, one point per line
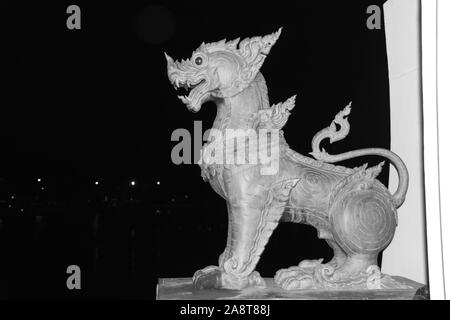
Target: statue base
182 289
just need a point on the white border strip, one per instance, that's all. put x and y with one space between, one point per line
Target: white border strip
431 160
443 96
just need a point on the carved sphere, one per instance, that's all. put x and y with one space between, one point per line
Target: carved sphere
363 221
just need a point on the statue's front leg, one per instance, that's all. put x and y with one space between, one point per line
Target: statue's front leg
237 262
254 212
210 277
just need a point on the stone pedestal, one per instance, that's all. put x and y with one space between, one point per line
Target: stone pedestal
182 289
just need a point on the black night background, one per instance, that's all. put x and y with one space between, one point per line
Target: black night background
86 176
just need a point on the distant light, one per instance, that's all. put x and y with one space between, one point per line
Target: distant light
21 210
43 188
10 206
96 183
12 197
158 183
133 183
39 180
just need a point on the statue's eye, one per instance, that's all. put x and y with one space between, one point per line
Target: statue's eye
198 61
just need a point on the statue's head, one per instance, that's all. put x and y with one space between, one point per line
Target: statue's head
220 69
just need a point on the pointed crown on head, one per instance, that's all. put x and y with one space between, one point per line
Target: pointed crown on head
253 52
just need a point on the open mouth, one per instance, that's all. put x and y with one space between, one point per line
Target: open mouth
188 86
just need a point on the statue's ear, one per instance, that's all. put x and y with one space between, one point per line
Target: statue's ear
254 51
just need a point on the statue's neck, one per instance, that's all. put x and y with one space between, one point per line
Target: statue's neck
239 111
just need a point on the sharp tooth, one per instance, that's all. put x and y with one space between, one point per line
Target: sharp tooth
184 99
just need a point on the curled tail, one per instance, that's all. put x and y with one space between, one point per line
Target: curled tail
400 194
334 135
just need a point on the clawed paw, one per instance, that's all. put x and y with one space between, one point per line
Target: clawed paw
209 277
298 277
294 278
298 283
282 274
214 277
255 280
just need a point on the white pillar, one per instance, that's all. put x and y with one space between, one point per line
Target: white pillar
406 255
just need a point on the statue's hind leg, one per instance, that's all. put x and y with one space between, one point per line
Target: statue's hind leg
362 224
302 276
363 221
